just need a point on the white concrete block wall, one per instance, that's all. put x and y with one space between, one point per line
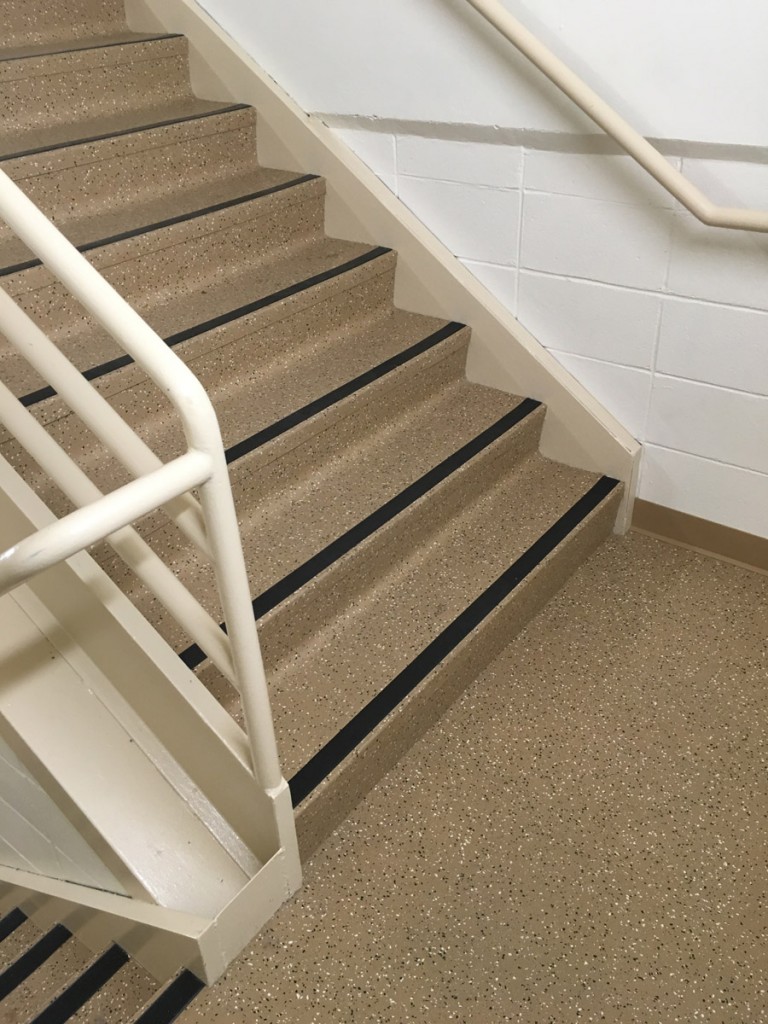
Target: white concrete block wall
664 320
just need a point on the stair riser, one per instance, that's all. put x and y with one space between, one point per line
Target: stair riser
88 84
125 147
334 799
293 623
36 21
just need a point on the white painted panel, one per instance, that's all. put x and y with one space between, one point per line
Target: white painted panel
589 319
676 69
37 836
588 238
500 281
715 344
376 149
712 422
730 182
711 490
475 223
617 179
719 266
624 391
475 163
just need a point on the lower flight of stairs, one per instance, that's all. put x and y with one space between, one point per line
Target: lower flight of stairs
398 522
49 977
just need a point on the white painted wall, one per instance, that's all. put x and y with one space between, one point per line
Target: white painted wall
682 69
35 836
665 321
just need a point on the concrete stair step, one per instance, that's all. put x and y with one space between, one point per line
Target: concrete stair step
99 91
41 23
98 192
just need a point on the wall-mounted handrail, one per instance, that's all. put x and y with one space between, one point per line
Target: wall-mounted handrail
614 125
204 466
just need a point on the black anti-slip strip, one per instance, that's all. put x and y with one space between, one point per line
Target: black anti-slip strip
249 444
123 131
355 731
280 591
170 1003
170 221
219 321
83 988
35 956
91 46
11 922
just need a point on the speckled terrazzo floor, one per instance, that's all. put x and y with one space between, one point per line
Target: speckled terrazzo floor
582 837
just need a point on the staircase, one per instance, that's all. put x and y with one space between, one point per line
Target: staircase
399 523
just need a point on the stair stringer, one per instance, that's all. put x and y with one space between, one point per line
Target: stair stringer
187 735
578 430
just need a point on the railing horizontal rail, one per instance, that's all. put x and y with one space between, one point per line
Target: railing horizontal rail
596 108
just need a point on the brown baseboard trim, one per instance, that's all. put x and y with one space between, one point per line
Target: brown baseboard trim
701 535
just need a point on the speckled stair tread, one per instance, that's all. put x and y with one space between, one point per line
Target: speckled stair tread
175 296
341 300
63 45
344 475
42 22
98 92
317 358
104 225
15 144
18 942
44 984
120 1000
321 684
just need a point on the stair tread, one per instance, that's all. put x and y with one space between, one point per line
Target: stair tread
120 999
60 45
101 228
34 994
33 140
198 302
18 942
324 684
40 21
297 514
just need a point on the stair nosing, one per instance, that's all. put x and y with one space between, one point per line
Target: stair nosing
361 725
221 320
11 921
25 965
123 131
92 46
180 218
172 1000
84 987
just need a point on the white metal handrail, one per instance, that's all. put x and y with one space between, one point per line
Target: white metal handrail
202 467
623 133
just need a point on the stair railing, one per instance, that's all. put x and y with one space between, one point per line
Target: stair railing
614 125
211 523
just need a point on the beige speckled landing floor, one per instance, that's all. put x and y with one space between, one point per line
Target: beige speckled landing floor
582 837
